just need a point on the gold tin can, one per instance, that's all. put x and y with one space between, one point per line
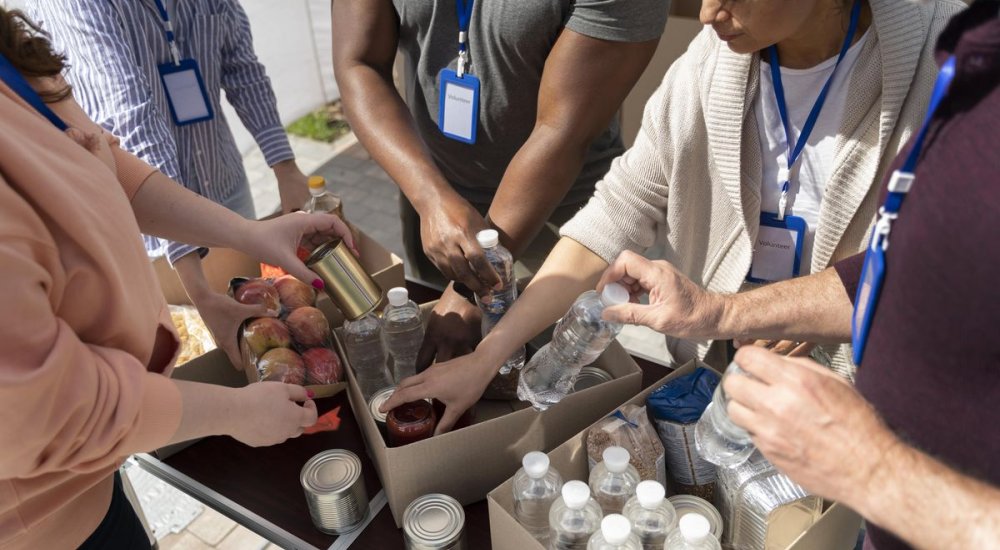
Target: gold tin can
347 283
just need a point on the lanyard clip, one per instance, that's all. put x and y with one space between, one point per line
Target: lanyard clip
783 201
463 60
175 53
883 226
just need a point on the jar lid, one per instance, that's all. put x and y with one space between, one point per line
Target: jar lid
686 504
590 377
376 401
331 472
433 521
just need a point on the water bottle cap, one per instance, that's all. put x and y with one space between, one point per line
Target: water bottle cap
614 294
615 459
616 528
694 527
575 494
398 296
488 238
536 464
650 494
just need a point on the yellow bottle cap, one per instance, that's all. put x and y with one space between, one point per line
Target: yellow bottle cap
317 182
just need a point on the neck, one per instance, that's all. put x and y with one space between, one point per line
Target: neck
821 37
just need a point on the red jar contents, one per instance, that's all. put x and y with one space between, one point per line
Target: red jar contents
467 419
410 422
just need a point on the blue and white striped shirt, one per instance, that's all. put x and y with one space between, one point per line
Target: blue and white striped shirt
114 48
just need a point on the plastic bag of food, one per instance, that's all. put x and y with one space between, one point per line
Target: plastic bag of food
630 428
195 338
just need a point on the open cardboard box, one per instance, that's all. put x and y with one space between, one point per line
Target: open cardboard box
836 529
467 463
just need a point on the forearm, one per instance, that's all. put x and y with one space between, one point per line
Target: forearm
192 277
207 409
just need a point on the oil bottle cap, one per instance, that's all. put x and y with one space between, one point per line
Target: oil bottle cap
616 529
615 459
650 494
398 296
536 464
317 182
614 294
694 527
575 494
488 238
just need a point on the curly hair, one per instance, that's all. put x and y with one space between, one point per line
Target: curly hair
28 48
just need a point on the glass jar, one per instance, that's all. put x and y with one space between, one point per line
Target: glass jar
410 422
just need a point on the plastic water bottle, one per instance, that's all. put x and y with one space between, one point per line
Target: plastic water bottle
574 518
615 534
536 487
651 515
716 437
692 533
402 332
363 340
614 480
577 341
496 303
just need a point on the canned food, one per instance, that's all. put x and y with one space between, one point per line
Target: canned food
347 283
590 377
335 491
687 504
378 398
434 522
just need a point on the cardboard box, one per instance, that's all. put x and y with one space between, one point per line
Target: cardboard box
466 464
837 528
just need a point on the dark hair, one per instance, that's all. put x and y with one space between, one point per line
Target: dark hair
28 48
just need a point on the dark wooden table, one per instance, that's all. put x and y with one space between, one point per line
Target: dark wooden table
259 487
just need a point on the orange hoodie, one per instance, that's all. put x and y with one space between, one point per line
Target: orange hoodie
86 341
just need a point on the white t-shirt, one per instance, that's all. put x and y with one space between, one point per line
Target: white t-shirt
815 164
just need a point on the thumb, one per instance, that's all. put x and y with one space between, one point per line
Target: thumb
250 311
629 314
299 270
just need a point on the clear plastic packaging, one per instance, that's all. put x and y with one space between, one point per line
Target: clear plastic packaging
693 533
536 487
363 343
195 338
629 427
496 303
574 517
615 534
718 439
402 333
613 480
651 515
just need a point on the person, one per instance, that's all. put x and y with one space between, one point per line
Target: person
88 345
121 56
914 446
551 74
697 173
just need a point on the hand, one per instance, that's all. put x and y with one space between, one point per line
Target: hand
458 384
677 306
787 348
275 241
449 236
453 330
269 413
809 422
224 316
293 186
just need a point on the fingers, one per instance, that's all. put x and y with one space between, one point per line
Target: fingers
628 265
784 347
297 393
309 414
447 420
743 416
630 314
409 389
749 392
481 266
802 350
462 272
761 363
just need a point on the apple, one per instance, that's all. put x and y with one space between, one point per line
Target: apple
258 291
266 333
308 326
322 366
293 293
282 365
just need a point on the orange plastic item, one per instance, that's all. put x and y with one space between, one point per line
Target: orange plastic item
329 422
269 271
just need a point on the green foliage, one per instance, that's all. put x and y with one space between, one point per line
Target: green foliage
325 124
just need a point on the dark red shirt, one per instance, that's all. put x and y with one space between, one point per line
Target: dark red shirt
932 363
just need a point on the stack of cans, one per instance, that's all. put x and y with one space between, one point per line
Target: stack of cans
434 522
335 491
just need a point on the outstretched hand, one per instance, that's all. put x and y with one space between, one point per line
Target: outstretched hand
275 241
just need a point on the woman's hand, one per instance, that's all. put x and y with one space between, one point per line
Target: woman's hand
453 330
275 241
269 413
224 316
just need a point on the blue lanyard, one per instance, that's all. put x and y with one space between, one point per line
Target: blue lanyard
807 128
13 78
464 10
169 30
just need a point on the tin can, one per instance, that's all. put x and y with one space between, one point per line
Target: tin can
335 491
378 398
347 283
434 522
687 504
590 377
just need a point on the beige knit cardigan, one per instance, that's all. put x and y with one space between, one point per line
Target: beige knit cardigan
693 176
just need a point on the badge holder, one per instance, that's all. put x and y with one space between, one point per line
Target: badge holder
780 229
186 92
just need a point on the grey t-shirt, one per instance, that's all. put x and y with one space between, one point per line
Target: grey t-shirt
509 41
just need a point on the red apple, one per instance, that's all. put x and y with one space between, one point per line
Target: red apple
322 366
294 293
266 333
258 291
282 365
308 326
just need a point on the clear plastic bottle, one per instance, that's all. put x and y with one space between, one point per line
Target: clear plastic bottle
322 200
363 340
579 338
651 514
574 518
402 332
615 534
536 487
496 303
693 533
716 437
613 480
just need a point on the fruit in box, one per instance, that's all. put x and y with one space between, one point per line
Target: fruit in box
258 291
322 366
266 333
293 293
308 326
282 365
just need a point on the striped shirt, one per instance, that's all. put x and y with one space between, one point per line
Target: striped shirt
114 48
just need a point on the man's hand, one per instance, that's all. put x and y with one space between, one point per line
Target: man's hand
453 330
448 233
809 422
293 186
275 241
224 316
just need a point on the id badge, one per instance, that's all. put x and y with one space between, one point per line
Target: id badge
458 107
186 92
777 253
872 275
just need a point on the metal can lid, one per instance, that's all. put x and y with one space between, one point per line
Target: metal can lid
685 504
433 521
590 377
376 401
331 472
322 251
